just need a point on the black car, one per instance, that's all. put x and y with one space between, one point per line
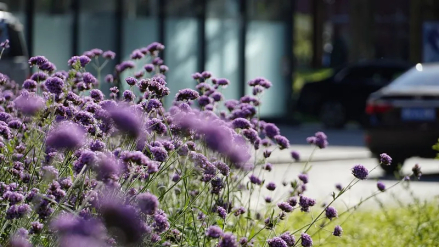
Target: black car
342 97
404 116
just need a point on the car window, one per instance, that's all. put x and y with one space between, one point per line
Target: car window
423 76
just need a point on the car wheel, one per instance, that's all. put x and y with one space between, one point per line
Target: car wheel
332 114
395 166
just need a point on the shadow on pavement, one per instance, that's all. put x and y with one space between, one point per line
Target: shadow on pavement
429 177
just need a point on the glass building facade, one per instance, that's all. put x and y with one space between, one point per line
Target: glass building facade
234 39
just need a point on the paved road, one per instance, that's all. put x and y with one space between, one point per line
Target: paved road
332 165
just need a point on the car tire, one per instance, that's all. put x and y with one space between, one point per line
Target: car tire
395 166
332 115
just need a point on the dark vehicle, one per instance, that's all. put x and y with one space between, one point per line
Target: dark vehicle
342 97
14 60
404 116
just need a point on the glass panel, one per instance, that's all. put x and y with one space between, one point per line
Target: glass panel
181 39
222 34
97 30
266 52
53 19
140 29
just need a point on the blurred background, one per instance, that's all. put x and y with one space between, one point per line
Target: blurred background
288 42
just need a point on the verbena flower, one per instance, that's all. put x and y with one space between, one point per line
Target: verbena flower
214 232
295 155
306 240
148 203
271 130
221 212
271 186
288 238
276 242
54 85
331 213
381 186
385 159
228 240
360 172
286 207
337 231
66 136
304 178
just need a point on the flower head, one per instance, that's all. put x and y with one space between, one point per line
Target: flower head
228 240
381 186
306 240
288 238
66 135
385 159
360 172
337 231
331 213
148 203
214 232
276 242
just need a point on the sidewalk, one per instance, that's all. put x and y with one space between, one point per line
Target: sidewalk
328 154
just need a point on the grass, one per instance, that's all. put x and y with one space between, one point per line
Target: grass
416 224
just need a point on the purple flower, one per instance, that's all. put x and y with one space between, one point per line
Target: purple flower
131 81
304 178
360 172
268 167
385 159
96 95
160 154
228 240
109 78
97 145
30 85
88 78
29 104
288 238
125 65
83 60
136 54
161 223
222 167
255 180
305 203
109 55
338 186
295 155
282 141
216 96
271 186
337 231
54 85
186 94
148 203
285 206
221 212
319 139
271 130
331 213
128 95
222 82
203 100
124 220
36 227
39 76
163 68
381 187
149 68
241 123
66 135
276 242
37 61
126 120
214 232
306 240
